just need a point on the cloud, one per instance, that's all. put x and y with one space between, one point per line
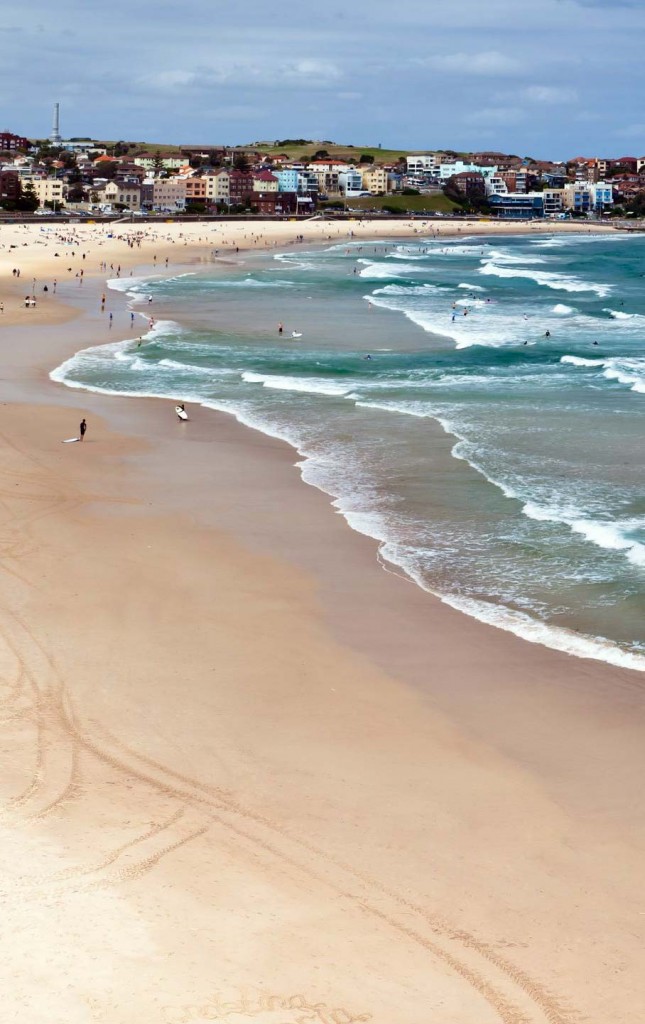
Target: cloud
609 4
314 71
495 116
548 94
631 131
489 63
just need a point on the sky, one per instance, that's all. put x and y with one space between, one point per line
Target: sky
549 79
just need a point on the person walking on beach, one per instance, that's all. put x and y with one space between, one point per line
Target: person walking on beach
83 428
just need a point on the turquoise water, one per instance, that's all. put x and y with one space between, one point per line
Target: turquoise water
498 466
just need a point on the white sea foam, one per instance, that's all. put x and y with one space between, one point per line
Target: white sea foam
618 314
457 250
536 632
489 324
547 279
612 535
512 258
628 371
309 386
562 310
580 361
472 287
250 282
126 284
190 368
382 271
295 260
412 289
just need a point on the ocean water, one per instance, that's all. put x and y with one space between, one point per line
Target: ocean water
498 465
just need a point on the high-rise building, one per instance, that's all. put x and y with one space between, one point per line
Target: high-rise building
55 138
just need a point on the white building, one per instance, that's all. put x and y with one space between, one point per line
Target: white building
350 183
446 170
424 163
553 201
495 186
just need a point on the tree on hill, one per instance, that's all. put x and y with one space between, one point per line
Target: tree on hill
292 142
366 158
321 154
27 199
76 194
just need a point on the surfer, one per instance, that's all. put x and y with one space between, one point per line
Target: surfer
83 428
547 334
280 328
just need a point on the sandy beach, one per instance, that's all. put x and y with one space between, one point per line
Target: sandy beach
249 775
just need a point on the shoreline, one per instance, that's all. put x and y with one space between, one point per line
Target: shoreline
293 769
495 615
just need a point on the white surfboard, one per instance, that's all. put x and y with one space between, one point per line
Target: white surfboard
68 440
296 334
183 415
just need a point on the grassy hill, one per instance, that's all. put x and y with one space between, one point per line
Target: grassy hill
435 203
295 150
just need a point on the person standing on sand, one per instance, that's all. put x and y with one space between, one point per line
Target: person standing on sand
83 428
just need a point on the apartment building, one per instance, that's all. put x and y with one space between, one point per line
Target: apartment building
126 195
9 186
169 194
288 179
350 183
264 181
196 190
9 142
425 163
375 180
168 161
218 188
553 199
240 186
48 190
449 169
518 205
587 197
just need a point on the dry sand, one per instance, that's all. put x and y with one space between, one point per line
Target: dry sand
247 775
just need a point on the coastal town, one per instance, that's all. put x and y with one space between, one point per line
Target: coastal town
301 177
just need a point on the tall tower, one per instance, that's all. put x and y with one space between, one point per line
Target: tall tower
55 133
